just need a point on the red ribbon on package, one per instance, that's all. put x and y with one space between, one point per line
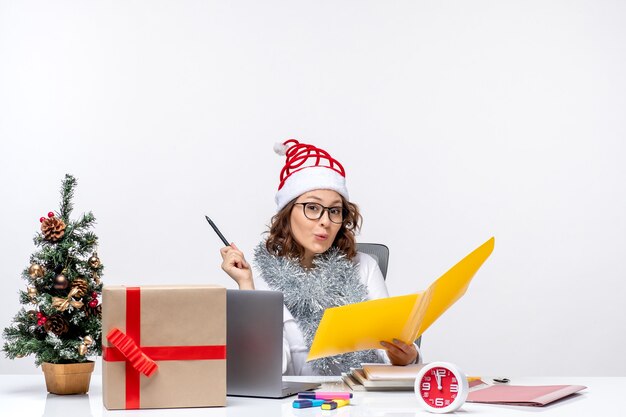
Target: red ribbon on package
141 359
133 353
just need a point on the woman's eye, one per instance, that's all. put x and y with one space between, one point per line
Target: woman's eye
312 207
335 210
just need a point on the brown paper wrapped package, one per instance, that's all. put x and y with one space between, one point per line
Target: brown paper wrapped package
170 316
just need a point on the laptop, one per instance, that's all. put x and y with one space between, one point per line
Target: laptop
254 346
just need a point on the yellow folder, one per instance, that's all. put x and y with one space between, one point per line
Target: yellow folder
363 325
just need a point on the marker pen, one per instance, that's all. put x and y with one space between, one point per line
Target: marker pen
318 395
307 403
331 405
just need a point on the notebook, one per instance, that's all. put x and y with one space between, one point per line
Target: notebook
389 384
380 377
378 372
536 396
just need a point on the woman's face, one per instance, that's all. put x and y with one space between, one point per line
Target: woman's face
315 236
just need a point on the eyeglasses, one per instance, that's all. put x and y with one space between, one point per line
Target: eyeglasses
315 211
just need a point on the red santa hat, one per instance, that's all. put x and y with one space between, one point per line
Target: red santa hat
307 168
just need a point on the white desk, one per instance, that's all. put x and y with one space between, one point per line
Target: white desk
25 396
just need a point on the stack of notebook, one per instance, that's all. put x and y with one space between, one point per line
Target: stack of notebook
379 377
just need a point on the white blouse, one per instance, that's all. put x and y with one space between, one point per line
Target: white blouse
295 350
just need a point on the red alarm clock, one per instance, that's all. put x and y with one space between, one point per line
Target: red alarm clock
441 387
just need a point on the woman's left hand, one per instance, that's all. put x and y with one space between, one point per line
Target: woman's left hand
400 353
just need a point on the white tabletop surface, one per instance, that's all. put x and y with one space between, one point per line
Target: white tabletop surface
25 395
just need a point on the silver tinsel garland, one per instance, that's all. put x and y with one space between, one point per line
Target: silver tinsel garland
333 281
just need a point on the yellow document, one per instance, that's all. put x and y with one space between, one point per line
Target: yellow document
363 325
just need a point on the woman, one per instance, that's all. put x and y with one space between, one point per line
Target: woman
310 256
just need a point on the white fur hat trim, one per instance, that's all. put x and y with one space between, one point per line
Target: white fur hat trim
309 179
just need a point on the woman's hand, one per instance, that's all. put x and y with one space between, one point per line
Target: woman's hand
400 353
236 266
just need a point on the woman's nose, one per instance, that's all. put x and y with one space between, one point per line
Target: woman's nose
325 219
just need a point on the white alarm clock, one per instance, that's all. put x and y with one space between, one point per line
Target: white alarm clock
441 387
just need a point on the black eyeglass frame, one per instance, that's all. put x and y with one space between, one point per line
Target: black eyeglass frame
344 211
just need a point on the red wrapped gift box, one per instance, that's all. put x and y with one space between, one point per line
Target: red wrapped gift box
166 346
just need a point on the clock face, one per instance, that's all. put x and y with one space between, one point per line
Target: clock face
439 387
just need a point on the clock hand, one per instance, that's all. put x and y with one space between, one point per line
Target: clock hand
438 377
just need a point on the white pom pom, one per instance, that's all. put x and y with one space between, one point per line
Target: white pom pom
280 148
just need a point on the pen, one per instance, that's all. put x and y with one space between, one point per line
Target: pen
500 380
307 403
331 405
217 231
318 395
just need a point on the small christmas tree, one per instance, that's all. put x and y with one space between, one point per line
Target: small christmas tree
62 323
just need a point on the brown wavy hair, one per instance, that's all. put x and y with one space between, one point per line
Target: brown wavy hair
282 243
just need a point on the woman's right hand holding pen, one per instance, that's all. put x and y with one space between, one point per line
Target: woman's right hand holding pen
236 266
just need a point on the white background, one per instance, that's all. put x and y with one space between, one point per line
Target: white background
455 120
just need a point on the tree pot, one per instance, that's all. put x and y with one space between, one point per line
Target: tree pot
67 378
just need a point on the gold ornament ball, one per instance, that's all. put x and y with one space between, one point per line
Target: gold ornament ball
32 292
36 271
94 261
82 350
96 278
88 341
60 282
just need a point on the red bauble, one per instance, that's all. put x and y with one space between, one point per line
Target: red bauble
41 219
94 295
93 303
39 314
42 320
50 214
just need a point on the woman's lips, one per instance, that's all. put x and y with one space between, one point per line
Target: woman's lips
321 237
